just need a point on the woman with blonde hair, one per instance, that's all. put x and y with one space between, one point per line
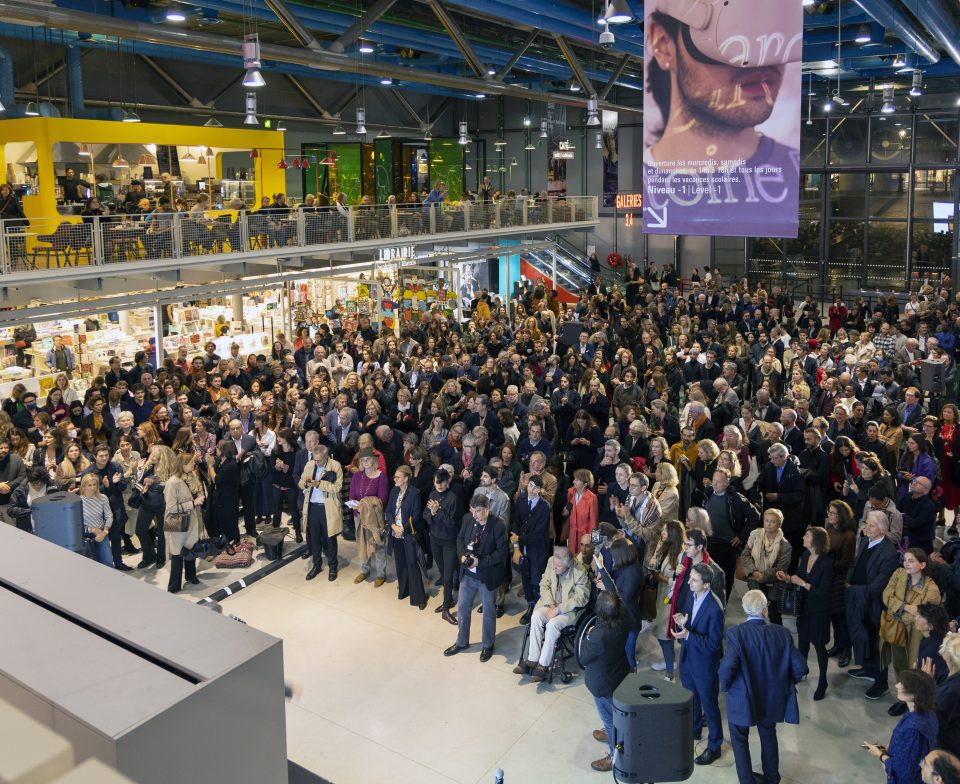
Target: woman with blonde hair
697 517
767 552
665 490
708 453
97 517
662 565
71 467
62 383
183 498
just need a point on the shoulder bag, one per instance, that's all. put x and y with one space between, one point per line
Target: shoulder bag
178 520
892 628
791 600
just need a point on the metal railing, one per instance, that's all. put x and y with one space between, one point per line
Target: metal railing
48 243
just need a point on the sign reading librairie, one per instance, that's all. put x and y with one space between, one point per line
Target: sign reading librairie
722 117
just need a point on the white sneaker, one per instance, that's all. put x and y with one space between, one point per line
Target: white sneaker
658 666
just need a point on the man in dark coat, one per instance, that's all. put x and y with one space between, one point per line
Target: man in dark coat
876 559
246 445
919 515
759 672
782 488
483 549
530 534
815 470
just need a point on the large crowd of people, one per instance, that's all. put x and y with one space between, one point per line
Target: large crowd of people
634 455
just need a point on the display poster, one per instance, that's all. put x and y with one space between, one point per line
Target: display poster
556 166
722 109
611 165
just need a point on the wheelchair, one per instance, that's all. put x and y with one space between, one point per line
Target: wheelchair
568 645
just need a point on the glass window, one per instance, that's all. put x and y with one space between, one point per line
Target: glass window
766 259
845 254
886 255
847 192
932 248
803 253
848 141
811 191
935 139
934 193
889 194
890 139
813 144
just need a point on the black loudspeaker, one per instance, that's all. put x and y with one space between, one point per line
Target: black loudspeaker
931 376
570 336
652 730
58 518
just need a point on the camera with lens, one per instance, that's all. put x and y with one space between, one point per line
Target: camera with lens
469 561
597 539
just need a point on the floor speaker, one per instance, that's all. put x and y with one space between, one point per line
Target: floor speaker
652 729
58 518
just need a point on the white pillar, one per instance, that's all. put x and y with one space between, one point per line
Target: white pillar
158 333
123 317
236 304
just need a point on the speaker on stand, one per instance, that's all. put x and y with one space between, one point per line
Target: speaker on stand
652 730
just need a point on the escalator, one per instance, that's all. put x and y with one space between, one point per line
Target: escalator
573 273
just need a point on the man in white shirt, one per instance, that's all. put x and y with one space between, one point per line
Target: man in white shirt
339 363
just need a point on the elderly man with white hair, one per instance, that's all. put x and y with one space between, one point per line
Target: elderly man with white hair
759 672
876 559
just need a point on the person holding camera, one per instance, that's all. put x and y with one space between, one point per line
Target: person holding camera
321 481
443 514
483 549
564 592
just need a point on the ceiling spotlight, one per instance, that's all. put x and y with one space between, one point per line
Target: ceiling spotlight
491 72
339 130
468 167
480 96
213 122
526 121
361 121
499 143
828 106
543 129
386 81
916 88
462 136
888 106
599 141
84 149
530 146
592 118
899 61
427 136
174 14
574 86
32 110
365 47
251 61
618 12
188 158
838 99
250 117
607 38
384 134
281 125
864 34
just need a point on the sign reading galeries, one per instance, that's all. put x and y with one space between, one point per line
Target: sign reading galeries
722 111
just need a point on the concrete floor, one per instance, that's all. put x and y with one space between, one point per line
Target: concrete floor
380 702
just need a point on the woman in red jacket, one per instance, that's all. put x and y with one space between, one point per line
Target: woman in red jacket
582 508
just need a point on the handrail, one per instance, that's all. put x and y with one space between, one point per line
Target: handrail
69 241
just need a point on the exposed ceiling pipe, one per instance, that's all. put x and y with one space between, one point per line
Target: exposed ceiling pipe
289 20
34 13
7 96
889 14
941 24
75 101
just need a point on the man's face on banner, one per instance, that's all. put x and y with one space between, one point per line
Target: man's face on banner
720 98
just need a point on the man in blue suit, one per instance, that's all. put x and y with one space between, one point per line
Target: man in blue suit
759 673
700 631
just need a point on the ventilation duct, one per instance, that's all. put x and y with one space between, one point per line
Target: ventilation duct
75 91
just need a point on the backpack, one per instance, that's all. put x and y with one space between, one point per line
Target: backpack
257 465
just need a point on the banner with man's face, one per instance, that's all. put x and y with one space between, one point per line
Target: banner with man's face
722 109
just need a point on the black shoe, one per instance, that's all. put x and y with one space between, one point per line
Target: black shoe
820 693
876 691
348 536
122 567
305 555
314 571
707 758
298 537
862 674
486 654
173 590
129 549
500 610
844 660
449 617
759 778
423 605
194 581
525 618
454 649
438 583
524 667
160 563
834 651
897 709
145 564
332 576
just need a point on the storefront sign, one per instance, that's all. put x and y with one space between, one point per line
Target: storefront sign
629 201
721 155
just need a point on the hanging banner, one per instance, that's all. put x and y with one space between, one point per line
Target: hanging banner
556 157
722 108
611 165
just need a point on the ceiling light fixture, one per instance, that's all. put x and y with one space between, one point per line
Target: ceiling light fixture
339 130
599 141
251 61
526 121
499 143
574 86
427 136
250 118
119 162
84 149
213 122
283 164
281 125
888 106
491 72
32 110
864 34
618 12
174 14
592 111
365 47
480 96
828 106
916 88
462 139
899 61
188 158
384 134
361 121
543 129
386 81
530 146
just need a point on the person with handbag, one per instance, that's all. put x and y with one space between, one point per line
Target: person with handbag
147 499
813 582
663 566
183 498
906 590
406 537
368 494
97 518
766 554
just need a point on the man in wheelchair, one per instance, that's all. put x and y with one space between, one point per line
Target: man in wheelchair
564 593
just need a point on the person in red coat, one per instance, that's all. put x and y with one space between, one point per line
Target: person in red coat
582 508
837 314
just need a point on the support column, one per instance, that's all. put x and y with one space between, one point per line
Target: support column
236 305
158 334
123 321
